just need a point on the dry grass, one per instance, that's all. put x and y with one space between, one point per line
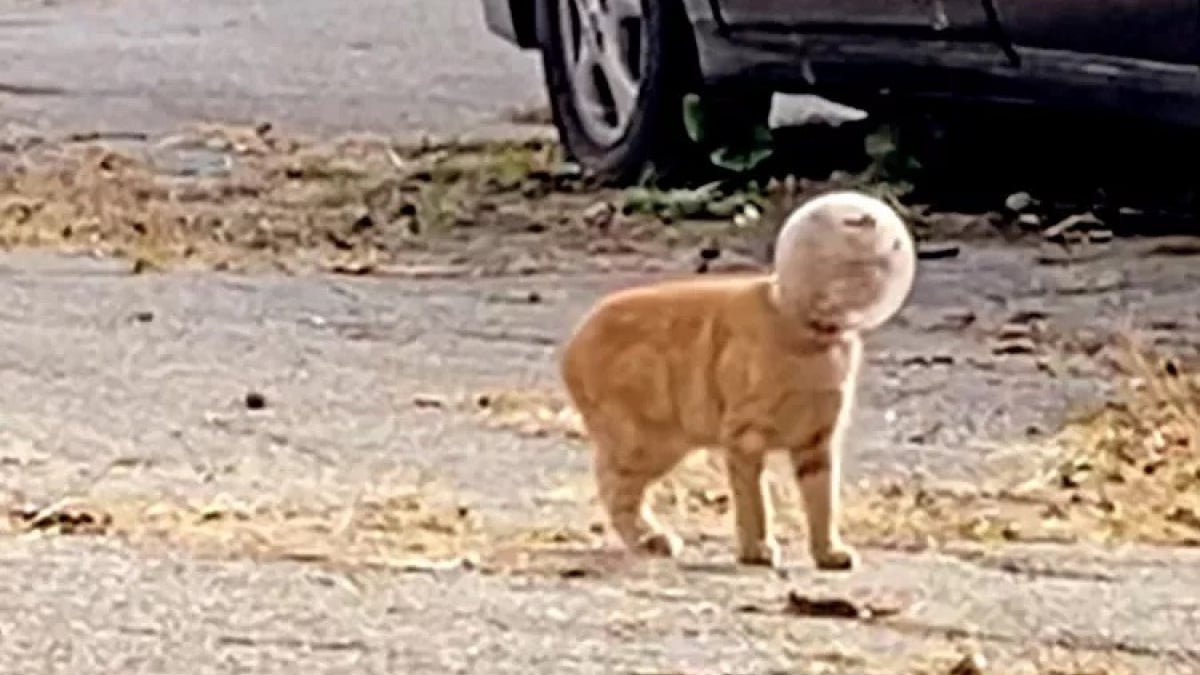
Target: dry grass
536 414
1128 472
396 529
246 199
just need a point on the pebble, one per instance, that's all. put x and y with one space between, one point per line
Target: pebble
429 401
1082 221
599 215
970 664
1014 347
1018 202
1029 221
937 251
255 400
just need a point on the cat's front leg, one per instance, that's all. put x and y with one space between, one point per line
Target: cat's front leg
752 509
817 470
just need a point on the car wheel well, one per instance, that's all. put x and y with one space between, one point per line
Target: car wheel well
524 19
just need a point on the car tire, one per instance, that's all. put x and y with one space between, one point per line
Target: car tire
618 142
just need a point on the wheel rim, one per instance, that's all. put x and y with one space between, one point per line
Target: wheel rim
602 48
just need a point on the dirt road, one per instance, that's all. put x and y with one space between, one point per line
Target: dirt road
148 66
116 384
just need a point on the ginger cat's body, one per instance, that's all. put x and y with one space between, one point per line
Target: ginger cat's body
749 364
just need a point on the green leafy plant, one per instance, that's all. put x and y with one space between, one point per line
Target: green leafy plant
740 153
892 169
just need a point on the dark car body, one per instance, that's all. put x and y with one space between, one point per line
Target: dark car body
1139 57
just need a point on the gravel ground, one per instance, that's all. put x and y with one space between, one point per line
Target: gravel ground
118 384
115 385
318 65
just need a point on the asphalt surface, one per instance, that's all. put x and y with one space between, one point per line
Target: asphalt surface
112 384
115 384
401 67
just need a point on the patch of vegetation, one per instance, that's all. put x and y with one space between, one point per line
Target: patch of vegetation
394 529
1129 472
739 152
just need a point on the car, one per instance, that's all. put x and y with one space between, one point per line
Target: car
617 71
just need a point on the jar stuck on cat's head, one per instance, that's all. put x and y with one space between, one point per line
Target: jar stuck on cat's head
844 261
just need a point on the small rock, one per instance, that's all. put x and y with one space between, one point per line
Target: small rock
599 215
362 223
1019 202
1048 366
926 361
429 401
1165 325
1014 347
255 400
1079 222
530 297
970 664
565 172
725 208
64 517
1029 221
952 320
143 265
354 268
937 251
710 251
735 263
1014 331
524 266
1027 316
144 316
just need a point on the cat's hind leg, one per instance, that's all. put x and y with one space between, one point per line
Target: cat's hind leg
623 475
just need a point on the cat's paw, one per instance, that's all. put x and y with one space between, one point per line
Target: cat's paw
836 558
764 553
660 544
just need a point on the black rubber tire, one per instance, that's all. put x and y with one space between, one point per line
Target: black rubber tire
656 138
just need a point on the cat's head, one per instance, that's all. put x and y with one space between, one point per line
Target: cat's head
844 261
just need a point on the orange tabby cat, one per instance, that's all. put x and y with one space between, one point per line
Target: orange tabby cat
748 364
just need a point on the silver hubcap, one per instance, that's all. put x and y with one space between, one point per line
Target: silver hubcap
602 47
